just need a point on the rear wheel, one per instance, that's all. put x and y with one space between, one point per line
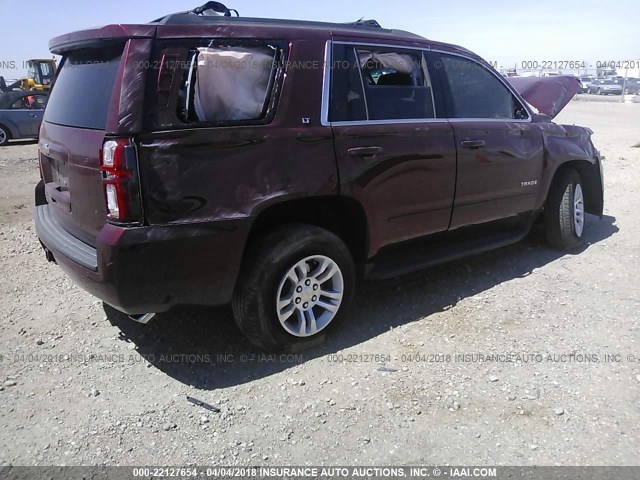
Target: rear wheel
564 213
295 286
4 135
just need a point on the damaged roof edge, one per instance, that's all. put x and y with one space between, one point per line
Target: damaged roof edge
61 43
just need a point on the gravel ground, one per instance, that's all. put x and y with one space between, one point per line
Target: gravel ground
80 384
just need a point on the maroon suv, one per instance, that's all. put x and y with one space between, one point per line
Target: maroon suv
203 159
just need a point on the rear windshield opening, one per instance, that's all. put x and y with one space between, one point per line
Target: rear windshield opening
83 88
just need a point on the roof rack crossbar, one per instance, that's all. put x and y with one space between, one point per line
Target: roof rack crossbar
216 7
366 23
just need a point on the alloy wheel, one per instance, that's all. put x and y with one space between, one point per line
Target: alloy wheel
578 209
309 295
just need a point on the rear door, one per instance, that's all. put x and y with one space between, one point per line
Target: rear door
84 106
500 151
393 154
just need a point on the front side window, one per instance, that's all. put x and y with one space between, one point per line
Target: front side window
474 92
31 102
379 84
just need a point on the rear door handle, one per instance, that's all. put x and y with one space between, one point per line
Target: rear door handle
364 151
473 144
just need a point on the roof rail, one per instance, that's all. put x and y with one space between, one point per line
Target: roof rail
216 12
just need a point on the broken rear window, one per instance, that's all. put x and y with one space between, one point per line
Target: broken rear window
227 83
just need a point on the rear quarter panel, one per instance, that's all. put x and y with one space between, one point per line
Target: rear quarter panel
211 174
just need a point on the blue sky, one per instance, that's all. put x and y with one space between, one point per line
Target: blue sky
502 31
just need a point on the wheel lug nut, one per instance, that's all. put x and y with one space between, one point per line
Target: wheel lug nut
315 297
299 289
315 287
307 283
298 300
306 305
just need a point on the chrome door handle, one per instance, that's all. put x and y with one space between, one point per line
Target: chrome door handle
473 144
364 151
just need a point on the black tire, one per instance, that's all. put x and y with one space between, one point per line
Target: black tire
5 135
266 263
559 211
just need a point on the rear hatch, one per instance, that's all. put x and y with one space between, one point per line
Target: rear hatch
90 102
71 139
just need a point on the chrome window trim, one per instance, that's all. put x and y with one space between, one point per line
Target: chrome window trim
388 122
326 84
489 120
326 87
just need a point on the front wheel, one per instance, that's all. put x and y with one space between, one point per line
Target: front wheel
564 213
4 135
295 286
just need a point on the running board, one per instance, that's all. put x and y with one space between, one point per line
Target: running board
426 255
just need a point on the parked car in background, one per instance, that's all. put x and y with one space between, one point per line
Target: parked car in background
21 113
209 167
631 85
605 87
584 83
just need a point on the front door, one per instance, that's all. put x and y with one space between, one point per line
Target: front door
500 151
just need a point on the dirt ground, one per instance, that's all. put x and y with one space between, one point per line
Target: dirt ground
81 384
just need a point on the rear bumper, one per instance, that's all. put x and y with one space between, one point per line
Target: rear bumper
150 269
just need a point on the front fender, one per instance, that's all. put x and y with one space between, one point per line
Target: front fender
570 146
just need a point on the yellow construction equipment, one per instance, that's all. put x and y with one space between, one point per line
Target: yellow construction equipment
40 73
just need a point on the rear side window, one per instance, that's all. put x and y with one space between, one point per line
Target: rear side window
397 85
83 88
379 84
474 92
228 84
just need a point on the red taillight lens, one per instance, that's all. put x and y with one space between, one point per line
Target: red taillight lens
118 166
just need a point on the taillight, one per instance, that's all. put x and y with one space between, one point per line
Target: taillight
120 180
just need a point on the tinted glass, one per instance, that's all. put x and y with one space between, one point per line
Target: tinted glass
476 93
347 98
82 91
397 84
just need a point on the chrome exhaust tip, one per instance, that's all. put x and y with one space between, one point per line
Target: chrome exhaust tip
142 317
